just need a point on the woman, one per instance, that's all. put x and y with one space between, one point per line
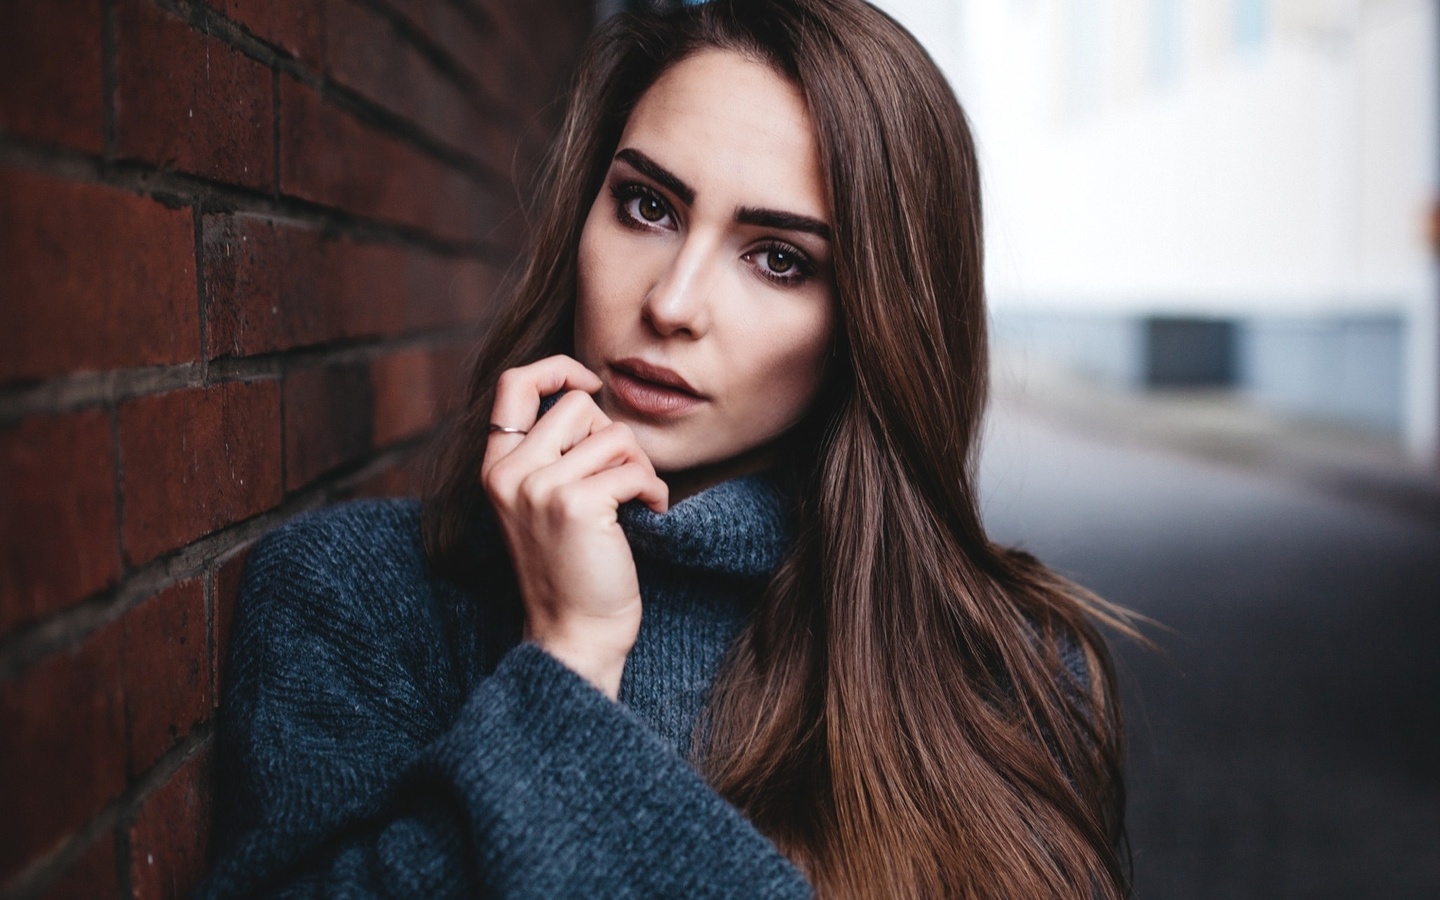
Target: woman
701 603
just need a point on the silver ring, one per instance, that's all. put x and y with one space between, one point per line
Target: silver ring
506 429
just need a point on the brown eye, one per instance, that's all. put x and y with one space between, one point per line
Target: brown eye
652 208
781 262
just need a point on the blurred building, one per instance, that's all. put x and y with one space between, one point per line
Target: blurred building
1233 193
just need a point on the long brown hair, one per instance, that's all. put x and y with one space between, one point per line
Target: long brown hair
912 711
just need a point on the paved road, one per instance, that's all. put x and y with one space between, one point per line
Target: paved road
1286 743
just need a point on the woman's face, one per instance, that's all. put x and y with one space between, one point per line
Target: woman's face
705 297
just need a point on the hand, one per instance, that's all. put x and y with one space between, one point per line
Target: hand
556 493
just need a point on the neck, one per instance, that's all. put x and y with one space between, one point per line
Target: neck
688 482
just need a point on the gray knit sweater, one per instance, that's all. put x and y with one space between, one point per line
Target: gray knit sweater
386 733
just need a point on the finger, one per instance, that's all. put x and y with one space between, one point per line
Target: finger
518 394
574 418
632 481
520 390
611 446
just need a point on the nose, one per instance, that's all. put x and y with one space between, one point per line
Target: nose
678 303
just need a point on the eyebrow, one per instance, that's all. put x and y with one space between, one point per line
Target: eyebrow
658 173
745 215
774 218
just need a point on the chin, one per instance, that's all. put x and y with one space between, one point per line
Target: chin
666 458
672 456
690 447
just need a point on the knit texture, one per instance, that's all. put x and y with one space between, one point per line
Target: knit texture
386 734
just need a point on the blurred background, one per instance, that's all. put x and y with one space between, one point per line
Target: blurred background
1222 193
1211 263
246 245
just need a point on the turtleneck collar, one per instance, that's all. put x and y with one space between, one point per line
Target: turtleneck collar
738 528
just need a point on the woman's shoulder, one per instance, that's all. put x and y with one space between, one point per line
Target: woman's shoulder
356 557
1074 658
339 540
351 582
1075 665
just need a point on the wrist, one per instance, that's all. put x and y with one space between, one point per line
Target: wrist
593 654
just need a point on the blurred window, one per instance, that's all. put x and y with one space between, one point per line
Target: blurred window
1252 20
1165 40
1085 39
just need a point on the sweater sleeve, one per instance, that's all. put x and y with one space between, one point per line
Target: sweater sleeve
345 770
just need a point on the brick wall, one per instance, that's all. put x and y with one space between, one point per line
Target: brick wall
245 246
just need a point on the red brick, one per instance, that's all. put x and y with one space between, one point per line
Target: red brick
50 65
557 30
167 671
170 840
58 535
365 53
520 69
225 589
481 53
562 37
405 395
399 480
443 292
273 285
93 278
62 737
94 874
547 37
453 363
295 26
188 101
327 420
415 388
196 460
329 158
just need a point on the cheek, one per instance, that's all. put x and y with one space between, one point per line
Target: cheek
594 289
787 377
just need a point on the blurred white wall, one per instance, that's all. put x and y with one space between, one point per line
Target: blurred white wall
1255 160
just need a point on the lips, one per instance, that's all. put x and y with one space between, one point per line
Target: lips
651 391
640 370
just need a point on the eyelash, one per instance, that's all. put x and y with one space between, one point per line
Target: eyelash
804 269
626 193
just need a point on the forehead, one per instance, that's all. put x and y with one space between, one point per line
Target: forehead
733 129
